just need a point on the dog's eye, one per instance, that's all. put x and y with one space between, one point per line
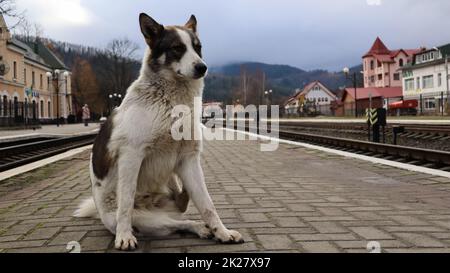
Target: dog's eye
178 48
198 47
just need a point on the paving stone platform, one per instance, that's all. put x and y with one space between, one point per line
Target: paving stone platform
290 200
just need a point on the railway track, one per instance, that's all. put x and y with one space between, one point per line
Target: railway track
17 153
412 131
416 156
434 159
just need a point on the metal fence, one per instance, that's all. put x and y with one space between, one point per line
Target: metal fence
14 113
431 103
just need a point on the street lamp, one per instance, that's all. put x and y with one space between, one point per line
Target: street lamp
346 71
116 100
54 77
268 95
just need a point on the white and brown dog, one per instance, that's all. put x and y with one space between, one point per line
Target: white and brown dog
142 178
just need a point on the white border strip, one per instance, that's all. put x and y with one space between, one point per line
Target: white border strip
19 136
34 165
375 160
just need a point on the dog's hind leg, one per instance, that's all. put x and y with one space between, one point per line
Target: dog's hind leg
158 224
181 196
161 224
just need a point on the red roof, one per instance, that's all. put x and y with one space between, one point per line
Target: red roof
378 48
363 93
383 54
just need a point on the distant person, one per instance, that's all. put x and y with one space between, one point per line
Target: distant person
86 115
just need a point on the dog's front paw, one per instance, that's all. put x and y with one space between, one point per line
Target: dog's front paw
227 236
203 231
125 241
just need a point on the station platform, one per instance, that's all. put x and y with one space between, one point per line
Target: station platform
294 199
66 129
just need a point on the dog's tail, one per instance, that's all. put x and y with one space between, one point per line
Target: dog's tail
86 209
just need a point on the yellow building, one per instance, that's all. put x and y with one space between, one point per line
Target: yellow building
34 83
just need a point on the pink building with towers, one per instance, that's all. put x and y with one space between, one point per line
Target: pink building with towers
382 67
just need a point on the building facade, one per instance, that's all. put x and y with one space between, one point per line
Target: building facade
29 91
426 79
316 95
368 97
382 67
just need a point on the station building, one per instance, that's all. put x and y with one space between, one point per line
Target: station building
35 84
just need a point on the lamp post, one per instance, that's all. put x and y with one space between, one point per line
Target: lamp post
54 77
346 71
116 100
268 95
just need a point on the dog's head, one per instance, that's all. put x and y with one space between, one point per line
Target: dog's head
174 48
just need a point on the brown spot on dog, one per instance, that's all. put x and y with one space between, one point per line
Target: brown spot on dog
101 158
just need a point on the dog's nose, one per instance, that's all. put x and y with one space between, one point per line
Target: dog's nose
201 68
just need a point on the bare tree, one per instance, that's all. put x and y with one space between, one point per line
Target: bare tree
26 30
244 78
122 48
8 8
38 30
120 54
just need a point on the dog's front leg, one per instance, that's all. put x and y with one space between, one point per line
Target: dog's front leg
191 173
129 165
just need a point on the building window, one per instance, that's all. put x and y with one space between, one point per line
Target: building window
32 79
439 80
371 64
25 76
380 77
400 62
49 106
372 79
409 84
42 108
418 83
41 81
15 70
427 82
430 103
396 76
378 64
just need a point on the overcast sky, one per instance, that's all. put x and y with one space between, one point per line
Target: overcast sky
313 34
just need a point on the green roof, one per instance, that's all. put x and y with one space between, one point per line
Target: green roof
30 53
445 50
47 55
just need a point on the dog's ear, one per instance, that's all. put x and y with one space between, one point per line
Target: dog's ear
150 28
192 24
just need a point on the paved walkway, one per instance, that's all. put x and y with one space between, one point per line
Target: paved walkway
67 129
290 200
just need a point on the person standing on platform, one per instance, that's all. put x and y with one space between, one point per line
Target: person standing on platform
86 115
